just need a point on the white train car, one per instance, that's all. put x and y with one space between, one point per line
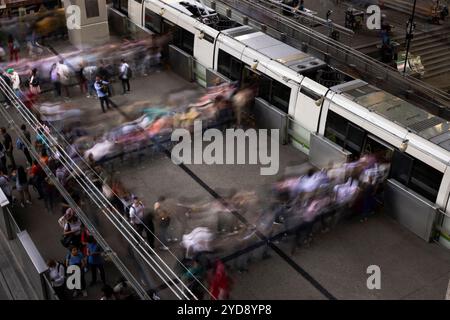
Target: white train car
318 99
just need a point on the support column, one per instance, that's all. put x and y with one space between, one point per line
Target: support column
92 23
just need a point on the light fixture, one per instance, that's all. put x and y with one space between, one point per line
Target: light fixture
201 35
162 11
255 65
320 101
403 146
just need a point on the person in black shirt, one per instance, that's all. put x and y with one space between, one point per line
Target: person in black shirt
25 150
8 82
292 3
3 166
8 144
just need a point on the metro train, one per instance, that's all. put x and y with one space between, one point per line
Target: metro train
315 97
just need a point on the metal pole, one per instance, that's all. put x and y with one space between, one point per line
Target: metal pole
409 34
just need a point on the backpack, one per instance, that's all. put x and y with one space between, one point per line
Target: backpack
129 73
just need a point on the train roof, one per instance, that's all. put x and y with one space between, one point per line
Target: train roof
291 57
190 7
401 112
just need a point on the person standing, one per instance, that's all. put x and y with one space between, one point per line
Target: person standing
8 144
6 187
95 260
3 166
137 215
64 76
22 186
57 277
35 83
89 73
25 150
101 87
104 73
150 229
124 76
76 258
15 80
7 80
54 77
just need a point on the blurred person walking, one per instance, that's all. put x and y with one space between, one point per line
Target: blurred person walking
137 215
54 78
22 146
89 72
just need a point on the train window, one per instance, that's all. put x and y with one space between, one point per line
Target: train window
355 139
336 127
309 93
224 63
281 95
187 41
152 21
425 180
92 9
229 66
184 40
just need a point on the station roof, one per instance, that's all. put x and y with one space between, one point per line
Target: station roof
293 58
403 113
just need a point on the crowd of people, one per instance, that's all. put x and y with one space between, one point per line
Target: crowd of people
212 234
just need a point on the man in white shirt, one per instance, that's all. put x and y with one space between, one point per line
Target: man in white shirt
63 72
15 79
137 215
124 75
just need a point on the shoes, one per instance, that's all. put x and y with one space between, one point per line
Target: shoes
28 202
165 248
85 293
88 96
22 205
175 240
75 294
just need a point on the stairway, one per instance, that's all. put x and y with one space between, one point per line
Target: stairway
423 7
433 48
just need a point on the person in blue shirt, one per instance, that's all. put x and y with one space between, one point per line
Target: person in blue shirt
95 260
101 87
76 258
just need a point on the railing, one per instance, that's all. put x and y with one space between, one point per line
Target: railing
28 258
